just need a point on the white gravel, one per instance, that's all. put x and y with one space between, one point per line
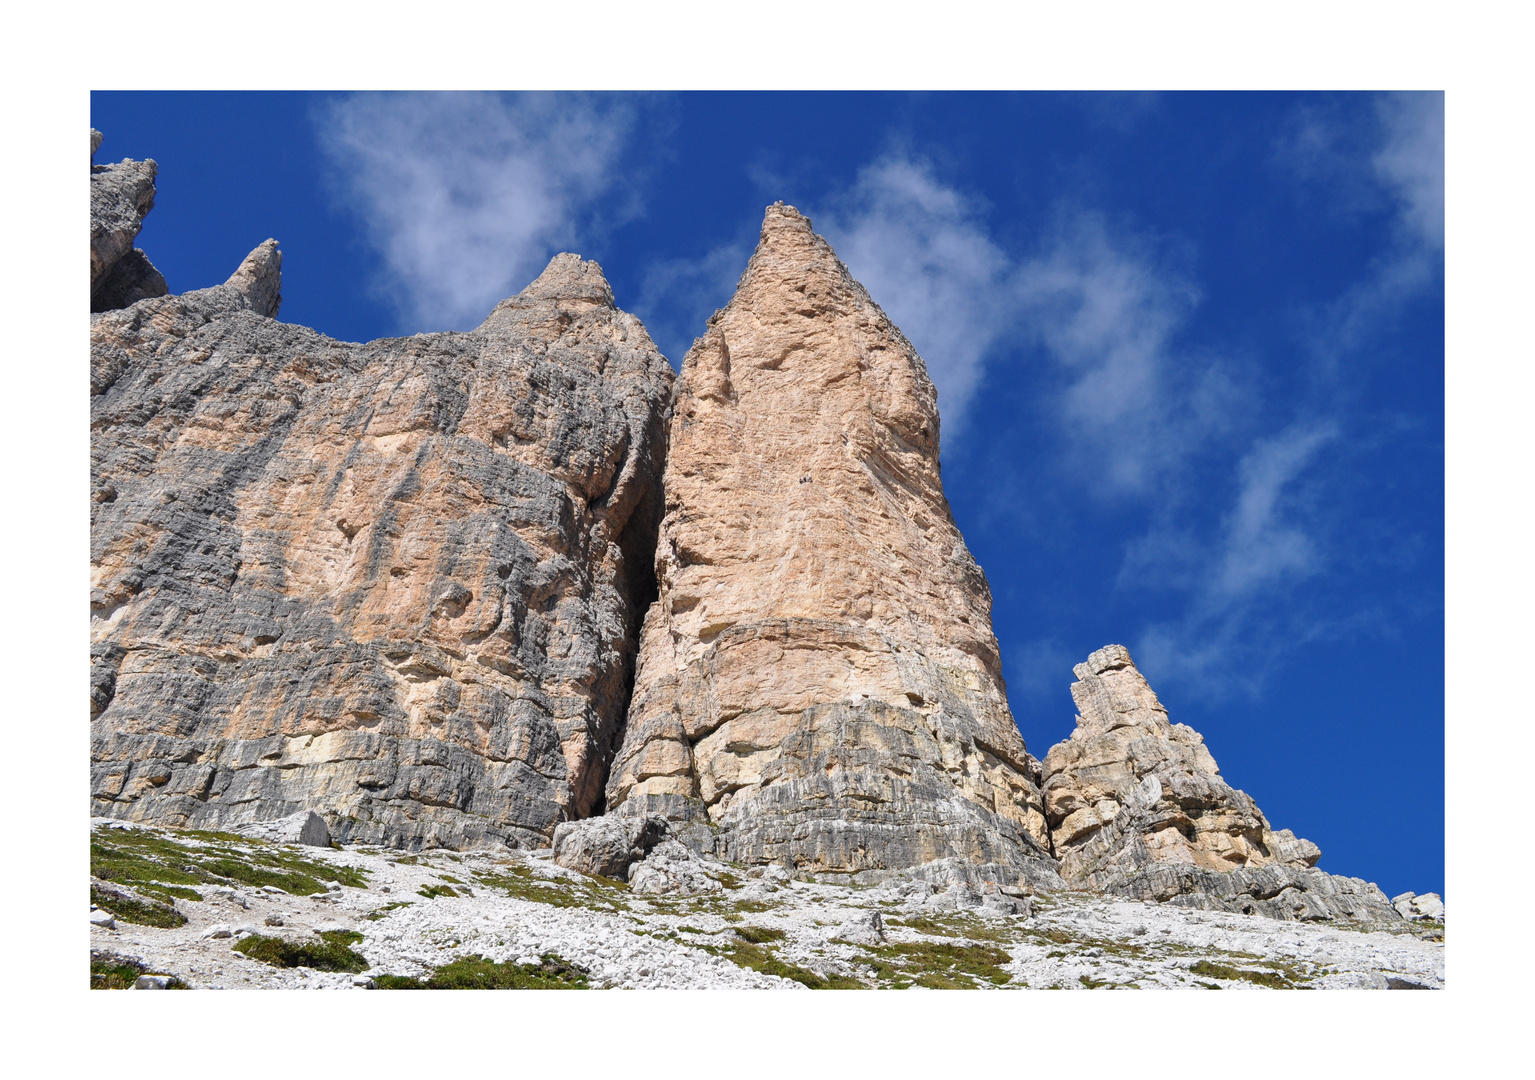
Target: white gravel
627 941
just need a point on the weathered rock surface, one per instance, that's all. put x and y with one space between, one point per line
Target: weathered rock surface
607 846
671 869
305 827
121 195
1138 808
397 583
1419 907
819 678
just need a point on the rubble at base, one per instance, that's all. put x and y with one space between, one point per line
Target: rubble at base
406 916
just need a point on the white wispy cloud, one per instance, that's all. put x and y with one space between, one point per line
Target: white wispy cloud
923 251
1240 580
1265 540
1105 311
1385 156
467 195
1410 161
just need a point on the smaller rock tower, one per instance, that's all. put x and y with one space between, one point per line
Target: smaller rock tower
1137 807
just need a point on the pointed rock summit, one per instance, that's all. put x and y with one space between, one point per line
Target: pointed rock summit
819 678
1137 807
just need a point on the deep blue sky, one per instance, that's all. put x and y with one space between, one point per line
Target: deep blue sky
1189 349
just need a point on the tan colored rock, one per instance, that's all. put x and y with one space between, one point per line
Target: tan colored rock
1137 807
819 677
398 583
1123 736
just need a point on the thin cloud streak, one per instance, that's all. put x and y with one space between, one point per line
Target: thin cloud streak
467 195
922 250
1105 314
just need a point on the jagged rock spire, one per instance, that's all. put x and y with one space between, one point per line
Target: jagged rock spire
819 675
121 195
259 279
1137 807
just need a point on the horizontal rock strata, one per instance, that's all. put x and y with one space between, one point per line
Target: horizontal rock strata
1137 808
121 195
818 681
396 583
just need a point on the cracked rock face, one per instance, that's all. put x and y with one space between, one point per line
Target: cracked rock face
396 583
1137 807
121 195
819 680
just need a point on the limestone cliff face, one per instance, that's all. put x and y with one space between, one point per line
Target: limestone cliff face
1137 807
398 583
121 195
819 676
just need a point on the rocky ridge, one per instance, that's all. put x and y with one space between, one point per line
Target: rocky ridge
392 593
396 583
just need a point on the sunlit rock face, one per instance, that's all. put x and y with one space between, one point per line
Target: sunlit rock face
396 583
818 680
1137 807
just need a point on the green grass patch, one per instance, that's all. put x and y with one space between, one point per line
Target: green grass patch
142 912
761 959
432 892
1110 946
139 857
759 935
939 965
522 883
756 907
450 879
323 955
112 972
478 973
974 929
1224 971
378 913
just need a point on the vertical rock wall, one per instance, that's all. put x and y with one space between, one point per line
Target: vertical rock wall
819 679
398 583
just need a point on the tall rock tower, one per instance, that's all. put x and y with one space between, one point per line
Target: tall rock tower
819 678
